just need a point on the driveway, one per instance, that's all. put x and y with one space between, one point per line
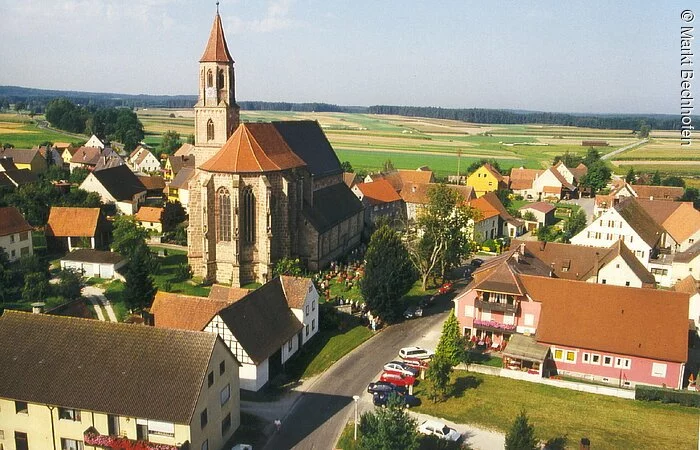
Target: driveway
96 296
586 204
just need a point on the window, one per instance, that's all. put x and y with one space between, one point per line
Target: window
595 359
226 424
220 79
25 235
21 408
486 315
469 311
222 367
586 358
290 344
627 283
225 394
13 253
571 356
658 370
203 418
205 444
313 305
223 215
12 239
307 310
607 361
249 215
210 379
605 281
210 130
529 320
210 78
21 441
69 414
313 324
71 444
558 354
307 329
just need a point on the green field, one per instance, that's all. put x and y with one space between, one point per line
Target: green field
23 132
609 422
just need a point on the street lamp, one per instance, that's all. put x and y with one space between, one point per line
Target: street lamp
356 398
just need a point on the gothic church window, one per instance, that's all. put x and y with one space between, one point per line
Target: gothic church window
210 78
249 215
220 79
210 130
223 215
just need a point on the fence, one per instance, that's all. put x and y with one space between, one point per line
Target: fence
524 376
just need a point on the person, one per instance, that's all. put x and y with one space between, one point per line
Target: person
278 424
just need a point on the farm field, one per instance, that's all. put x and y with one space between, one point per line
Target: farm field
23 132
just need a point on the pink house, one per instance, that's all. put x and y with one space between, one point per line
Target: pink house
613 334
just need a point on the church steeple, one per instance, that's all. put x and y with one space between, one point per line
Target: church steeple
216 112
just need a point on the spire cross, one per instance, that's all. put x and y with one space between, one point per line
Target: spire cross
217 7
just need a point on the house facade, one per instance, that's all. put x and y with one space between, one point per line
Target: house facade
117 185
74 400
302 297
380 201
552 185
15 234
70 227
94 263
493 220
486 179
142 160
25 158
542 211
150 218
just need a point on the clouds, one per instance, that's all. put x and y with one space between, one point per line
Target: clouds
277 17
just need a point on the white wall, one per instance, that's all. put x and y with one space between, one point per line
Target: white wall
13 246
618 273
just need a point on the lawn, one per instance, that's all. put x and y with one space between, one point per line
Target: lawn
609 422
167 274
26 134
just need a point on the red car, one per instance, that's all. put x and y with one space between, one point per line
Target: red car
397 379
445 288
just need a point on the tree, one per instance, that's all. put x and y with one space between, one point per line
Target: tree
568 159
592 156
388 166
128 129
288 266
673 181
439 375
548 234
70 284
643 129
597 177
388 274
656 179
128 236
476 164
521 435
441 238
451 345
139 289
173 214
574 225
170 142
78 175
190 139
347 167
691 194
36 287
389 428
556 443
630 177
530 216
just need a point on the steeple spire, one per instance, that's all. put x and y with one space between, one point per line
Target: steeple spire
216 50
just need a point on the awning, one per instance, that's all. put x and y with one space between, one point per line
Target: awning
525 348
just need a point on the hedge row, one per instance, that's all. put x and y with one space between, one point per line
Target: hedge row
650 394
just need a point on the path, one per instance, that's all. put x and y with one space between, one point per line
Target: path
97 298
624 149
477 438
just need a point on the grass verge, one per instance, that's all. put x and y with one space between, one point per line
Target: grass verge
167 275
609 422
347 438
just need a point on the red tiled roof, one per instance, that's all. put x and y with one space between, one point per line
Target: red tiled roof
216 50
227 293
184 312
658 192
149 214
254 147
542 207
377 192
295 289
683 223
67 221
12 221
648 323
687 285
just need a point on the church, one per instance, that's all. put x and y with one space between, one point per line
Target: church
261 191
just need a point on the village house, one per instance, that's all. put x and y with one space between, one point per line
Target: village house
53 153
73 383
15 234
690 286
521 180
155 187
142 160
95 142
94 263
493 220
71 227
543 213
25 158
95 158
176 162
415 196
178 189
486 179
117 185
685 264
380 200
553 186
149 217
622 189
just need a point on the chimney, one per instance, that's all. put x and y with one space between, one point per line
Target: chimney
551 270
522 248
585 444
38 307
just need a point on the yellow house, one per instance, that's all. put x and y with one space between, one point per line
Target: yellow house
86 384
486 179
150 218
25 158
178 189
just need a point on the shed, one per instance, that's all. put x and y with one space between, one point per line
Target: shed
93 263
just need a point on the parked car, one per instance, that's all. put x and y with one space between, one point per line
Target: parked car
382 399
413 311
386 387
415 353
417 364
397 379
445 288
427 301
440 430
468 271
398 367
476 262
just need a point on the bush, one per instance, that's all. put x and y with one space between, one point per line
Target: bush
652 394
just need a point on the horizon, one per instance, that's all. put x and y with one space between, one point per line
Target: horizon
571 59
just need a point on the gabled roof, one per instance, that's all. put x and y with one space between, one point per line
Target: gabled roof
152 183
19 155
108 159
261 321
619 248
149 214
216 50
560 178
65 221
659 210
658 192
7 164
120 182
295 290
501 274
306 139
182 178
418 192
542 207
331 205
103 366
491 199
86 155
687 285
185 150
62 145
227 293
623 320
683 223
639 220
688 255
579 171
349 179
492 170
177 162
521 178
12 221
378 192
93 256
254 148
20 177
184 312
143 155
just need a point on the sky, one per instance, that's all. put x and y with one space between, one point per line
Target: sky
585 57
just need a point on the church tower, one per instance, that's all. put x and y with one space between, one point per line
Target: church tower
216 112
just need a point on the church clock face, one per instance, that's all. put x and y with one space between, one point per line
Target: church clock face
210 92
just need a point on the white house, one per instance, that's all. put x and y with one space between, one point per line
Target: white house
142 160
628 222
689 286
552 184
94 141
15 234
302 298
117 185
94 263
685 264
543 212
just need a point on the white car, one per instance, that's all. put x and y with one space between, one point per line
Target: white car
415 353
440 430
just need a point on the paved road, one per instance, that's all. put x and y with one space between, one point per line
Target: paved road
624 149
320 414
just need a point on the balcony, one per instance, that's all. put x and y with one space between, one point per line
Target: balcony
92 437
493 326
496 306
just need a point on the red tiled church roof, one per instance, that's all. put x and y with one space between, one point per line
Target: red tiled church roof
216 50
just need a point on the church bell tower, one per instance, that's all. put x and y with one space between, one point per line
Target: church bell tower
216 113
